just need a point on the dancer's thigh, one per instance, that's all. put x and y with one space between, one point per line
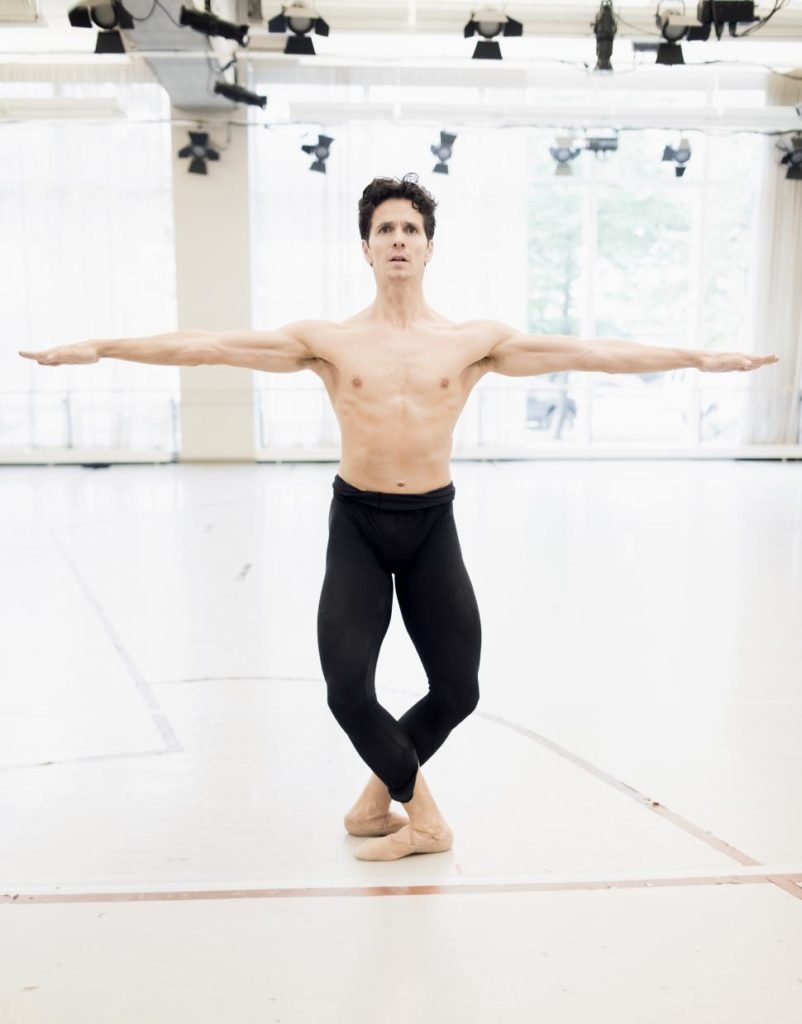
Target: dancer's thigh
355 603
439 606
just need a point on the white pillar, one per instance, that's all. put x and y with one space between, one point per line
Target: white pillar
213 292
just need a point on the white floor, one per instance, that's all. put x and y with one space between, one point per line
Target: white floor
625 799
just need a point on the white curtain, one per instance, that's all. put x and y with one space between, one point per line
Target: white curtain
86 252
771 415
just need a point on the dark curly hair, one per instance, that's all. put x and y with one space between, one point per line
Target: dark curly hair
396 188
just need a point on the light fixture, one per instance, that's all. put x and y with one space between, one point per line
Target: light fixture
489 22
564 152
604 28
793 157
726 12
210 25
200 151
674 26
109 17
443 152
236 92
602 144
321 151
680 156
300 18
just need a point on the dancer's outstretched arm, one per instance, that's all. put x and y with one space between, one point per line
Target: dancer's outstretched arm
515 354
283 350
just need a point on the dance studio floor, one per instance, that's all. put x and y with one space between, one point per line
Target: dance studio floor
625 799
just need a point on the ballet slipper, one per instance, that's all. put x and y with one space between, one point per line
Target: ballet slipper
376 825
406 842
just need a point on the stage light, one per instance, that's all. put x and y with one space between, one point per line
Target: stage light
564 153
680 156
719 13
443 152
109 17
210 25
489 22
300 18
239 95
200 151
793 157
604 28
321 151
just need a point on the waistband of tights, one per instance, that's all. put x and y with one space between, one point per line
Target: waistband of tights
393 501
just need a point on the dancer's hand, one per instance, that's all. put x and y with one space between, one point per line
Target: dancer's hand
83 352
720 362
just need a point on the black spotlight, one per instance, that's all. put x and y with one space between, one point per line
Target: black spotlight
200 151
239 95
109 17
719 13
601 145
793 157
680 156
300 18
564 152
605 28
321 151
669 52
211 25
443 152
489 22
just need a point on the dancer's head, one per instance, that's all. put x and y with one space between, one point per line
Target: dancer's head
397 216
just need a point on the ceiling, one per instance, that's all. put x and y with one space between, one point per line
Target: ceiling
410 44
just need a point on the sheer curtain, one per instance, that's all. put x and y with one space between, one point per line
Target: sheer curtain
772 411
86 250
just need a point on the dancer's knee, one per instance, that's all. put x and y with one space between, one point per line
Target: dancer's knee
462 699
470 698
348 704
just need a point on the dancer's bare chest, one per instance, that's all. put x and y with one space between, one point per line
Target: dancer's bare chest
403 374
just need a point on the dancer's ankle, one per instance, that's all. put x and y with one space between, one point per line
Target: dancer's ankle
362 811
424 814
429 826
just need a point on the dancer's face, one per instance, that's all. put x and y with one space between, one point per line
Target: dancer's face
397 230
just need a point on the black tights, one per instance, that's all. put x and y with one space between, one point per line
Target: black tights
373 534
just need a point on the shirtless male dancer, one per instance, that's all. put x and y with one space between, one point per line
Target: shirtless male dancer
398 375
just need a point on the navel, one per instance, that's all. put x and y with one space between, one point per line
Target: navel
400 483
444 382
357 382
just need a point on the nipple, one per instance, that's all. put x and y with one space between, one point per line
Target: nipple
357 382
444 382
